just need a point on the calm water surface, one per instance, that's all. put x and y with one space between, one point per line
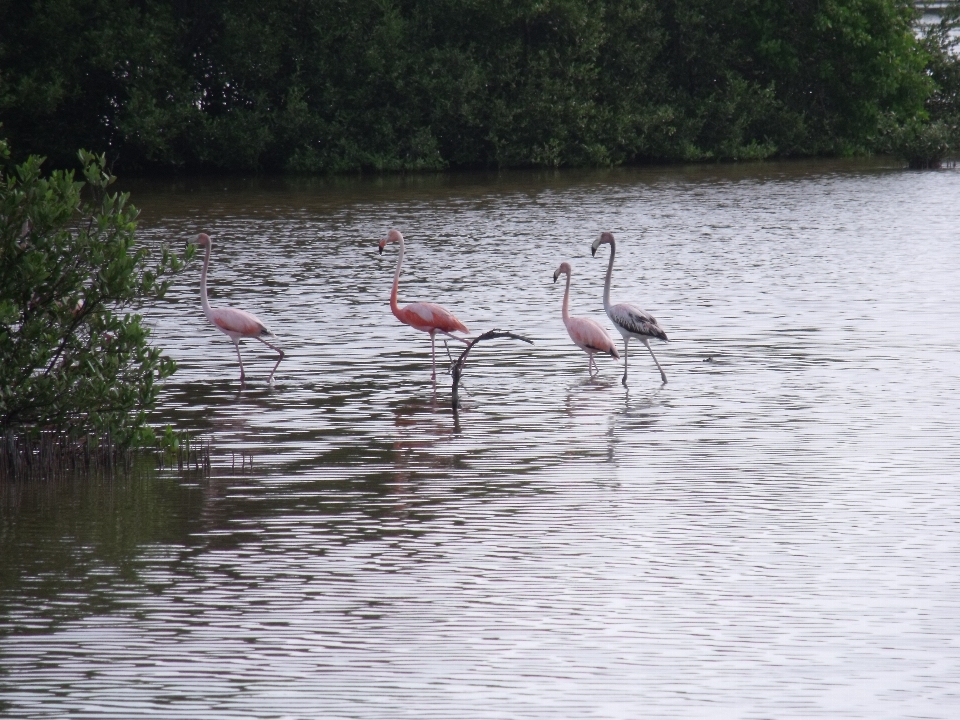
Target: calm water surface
772 534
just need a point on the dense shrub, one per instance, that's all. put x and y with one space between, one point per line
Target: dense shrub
74 356
341 85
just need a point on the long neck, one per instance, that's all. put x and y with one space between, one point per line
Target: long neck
203 283
566 300
606 284
396 283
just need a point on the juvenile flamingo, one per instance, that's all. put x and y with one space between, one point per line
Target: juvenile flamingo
587 334
426 317
233 323
631 321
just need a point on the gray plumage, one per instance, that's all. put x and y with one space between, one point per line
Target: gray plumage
630 321
633 320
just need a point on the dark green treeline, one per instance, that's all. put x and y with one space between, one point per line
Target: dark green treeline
340 85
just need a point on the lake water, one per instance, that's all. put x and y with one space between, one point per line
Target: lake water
772 534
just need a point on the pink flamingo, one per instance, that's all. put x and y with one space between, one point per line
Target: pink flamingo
426 317
233 323
587 334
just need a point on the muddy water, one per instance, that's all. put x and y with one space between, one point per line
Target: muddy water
773 533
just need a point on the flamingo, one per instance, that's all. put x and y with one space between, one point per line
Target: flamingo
631 321
587 334
233 323
426 317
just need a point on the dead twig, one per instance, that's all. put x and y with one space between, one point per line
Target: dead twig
458 366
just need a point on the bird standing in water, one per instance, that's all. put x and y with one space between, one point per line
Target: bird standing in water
233 323
426 317
631 321
587 334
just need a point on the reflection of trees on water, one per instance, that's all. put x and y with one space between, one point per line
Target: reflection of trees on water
80 544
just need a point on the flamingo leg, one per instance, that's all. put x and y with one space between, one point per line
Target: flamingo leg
433 356
240 359
626 357
663 375
276 349
450 335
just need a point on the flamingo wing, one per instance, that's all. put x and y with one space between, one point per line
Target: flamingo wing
429 316
636 321
240 322
590 336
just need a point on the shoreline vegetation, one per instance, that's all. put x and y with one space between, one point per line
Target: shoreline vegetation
75 354
310 87
52 455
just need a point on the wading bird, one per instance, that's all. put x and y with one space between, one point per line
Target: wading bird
631 321
233 323
587 334
426 317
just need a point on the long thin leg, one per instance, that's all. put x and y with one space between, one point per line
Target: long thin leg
433 355
626 357
242 376
451 335
663 375
276 349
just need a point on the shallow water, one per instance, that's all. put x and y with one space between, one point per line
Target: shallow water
773 533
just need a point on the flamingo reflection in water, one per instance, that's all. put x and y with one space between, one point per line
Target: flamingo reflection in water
426 317
233 323
587 334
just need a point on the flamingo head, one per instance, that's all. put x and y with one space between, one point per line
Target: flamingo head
392 237
203 240
564 268
605 237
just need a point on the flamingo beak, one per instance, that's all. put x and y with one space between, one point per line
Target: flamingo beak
382 243
593 248
556 275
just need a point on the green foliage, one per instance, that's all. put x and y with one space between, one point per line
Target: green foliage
922 144
73 355
941 42
335 86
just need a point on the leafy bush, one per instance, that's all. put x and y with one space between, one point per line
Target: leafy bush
922 144
925 139
73 354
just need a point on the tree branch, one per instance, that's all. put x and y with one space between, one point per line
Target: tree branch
458 366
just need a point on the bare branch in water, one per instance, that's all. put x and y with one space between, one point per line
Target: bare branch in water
458 366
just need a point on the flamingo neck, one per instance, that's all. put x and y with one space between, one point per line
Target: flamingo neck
394 307
566 300
606 284
204 302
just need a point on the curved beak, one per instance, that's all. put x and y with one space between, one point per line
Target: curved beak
382 243
556 275
593 248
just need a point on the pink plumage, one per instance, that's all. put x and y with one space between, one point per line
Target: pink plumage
425 317
231 320
429 316
233 323
588 335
